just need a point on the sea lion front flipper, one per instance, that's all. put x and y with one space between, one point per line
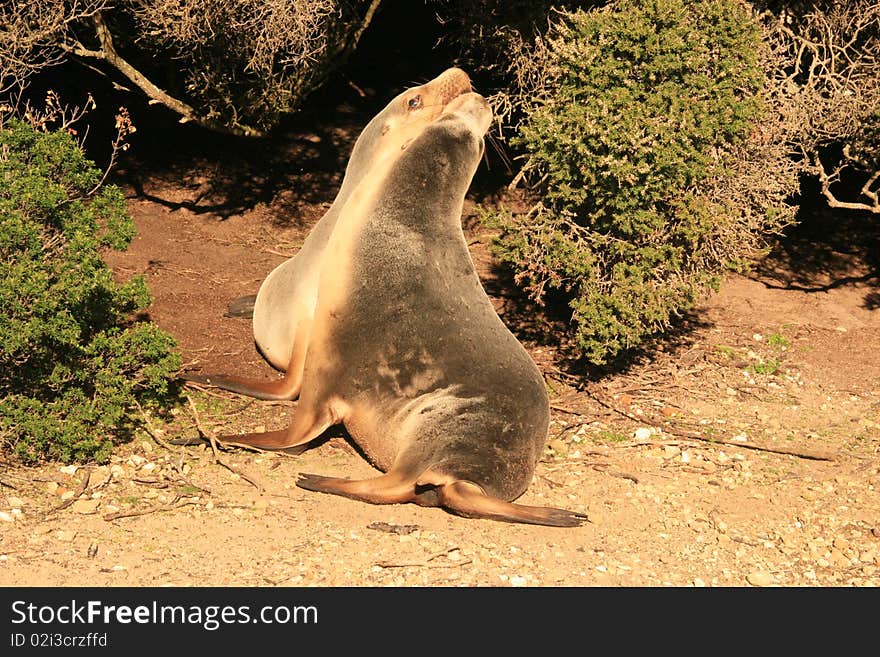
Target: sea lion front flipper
306 426
467 499
283 389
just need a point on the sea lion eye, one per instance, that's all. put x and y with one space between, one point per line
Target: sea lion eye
414 103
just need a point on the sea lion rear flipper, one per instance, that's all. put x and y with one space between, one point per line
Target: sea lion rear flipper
283 389
466 499
389 488
460 497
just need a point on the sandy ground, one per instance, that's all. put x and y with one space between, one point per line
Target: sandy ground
742 450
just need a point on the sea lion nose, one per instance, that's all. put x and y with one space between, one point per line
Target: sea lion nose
453 83
457 76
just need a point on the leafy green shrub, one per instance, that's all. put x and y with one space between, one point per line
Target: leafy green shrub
73 364
642 111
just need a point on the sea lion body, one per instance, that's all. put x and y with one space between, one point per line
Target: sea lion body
284 307
286 300
415 360
407 351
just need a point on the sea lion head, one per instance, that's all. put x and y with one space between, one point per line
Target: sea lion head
403 119
455 139
472 111
426 183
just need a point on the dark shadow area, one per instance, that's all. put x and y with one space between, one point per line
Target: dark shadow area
542 325
825 249
217 175
299 163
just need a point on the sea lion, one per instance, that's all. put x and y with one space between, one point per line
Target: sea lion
407 351
283 310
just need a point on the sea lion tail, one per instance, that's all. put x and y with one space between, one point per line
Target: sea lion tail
467 499
242 306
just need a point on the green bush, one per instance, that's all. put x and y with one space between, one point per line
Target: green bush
74 364
641 107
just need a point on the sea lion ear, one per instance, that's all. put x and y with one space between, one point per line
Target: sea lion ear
385 129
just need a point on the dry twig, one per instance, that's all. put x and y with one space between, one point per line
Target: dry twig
210 436
154 434
425 563
176 503
566 409
87 473
278 253
815 455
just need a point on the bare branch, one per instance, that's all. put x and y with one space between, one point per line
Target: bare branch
826 180
31 33
239 64
124 127
248 61
825 85
109 54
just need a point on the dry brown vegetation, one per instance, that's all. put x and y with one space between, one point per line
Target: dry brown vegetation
230 65
826 89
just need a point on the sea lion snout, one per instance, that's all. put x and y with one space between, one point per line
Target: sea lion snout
452 83
474 109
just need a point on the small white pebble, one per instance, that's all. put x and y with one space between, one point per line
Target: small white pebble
760 578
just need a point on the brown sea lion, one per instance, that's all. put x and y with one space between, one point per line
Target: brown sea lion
406 350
